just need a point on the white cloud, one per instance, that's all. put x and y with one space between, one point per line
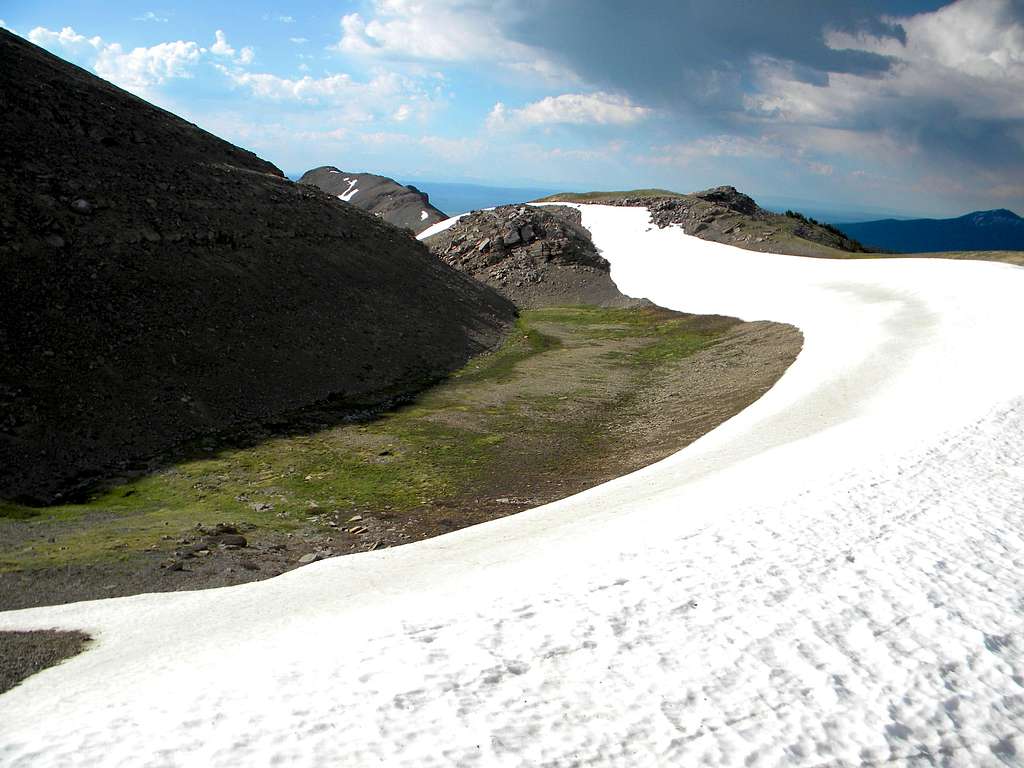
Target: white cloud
139 69
221 47
445 31
305 89
387 95
286 19
569 108
968 55
136 70
150 16
298 40
144 67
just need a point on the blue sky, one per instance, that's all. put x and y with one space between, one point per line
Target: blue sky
908 107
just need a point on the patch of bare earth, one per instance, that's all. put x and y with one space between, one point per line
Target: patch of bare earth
22 654
577 396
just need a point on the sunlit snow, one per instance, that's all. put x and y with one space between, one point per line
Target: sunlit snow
349 193
832 577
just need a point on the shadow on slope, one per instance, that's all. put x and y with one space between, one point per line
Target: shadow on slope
161 285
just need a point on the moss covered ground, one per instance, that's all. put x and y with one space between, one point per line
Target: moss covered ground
542 403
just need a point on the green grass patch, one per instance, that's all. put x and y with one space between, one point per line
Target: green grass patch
16 512
451 440
524 341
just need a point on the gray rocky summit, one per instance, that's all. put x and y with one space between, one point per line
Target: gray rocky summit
402 205
536 256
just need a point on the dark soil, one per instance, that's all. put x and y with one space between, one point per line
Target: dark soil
402 205
161 285
535 256
22 654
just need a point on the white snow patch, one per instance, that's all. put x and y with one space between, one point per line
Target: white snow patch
831 577
448 223
331 170
349 193
423 215
440 226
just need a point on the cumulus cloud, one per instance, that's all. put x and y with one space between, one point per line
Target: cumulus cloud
222 48
952 93
136 70
570 109
386 96
936 91
454 31
140 69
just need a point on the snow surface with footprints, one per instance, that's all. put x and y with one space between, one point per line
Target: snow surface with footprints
834 577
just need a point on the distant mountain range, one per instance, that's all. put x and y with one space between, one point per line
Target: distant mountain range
998 230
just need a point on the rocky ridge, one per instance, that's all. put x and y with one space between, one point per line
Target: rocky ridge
161 285
535 256
724 215
402 205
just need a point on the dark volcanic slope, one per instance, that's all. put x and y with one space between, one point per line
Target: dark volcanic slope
160 284
724 215
536 256
999 230
403 206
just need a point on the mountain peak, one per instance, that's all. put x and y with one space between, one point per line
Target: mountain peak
997 214
401 205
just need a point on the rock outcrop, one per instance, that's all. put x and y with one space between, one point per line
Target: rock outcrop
536 256
160 285
403 206
724 215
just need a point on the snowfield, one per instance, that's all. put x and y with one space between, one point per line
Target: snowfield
834 577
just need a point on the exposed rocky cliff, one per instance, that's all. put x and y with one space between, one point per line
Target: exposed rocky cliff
536 256
724 215
160 284
403 206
